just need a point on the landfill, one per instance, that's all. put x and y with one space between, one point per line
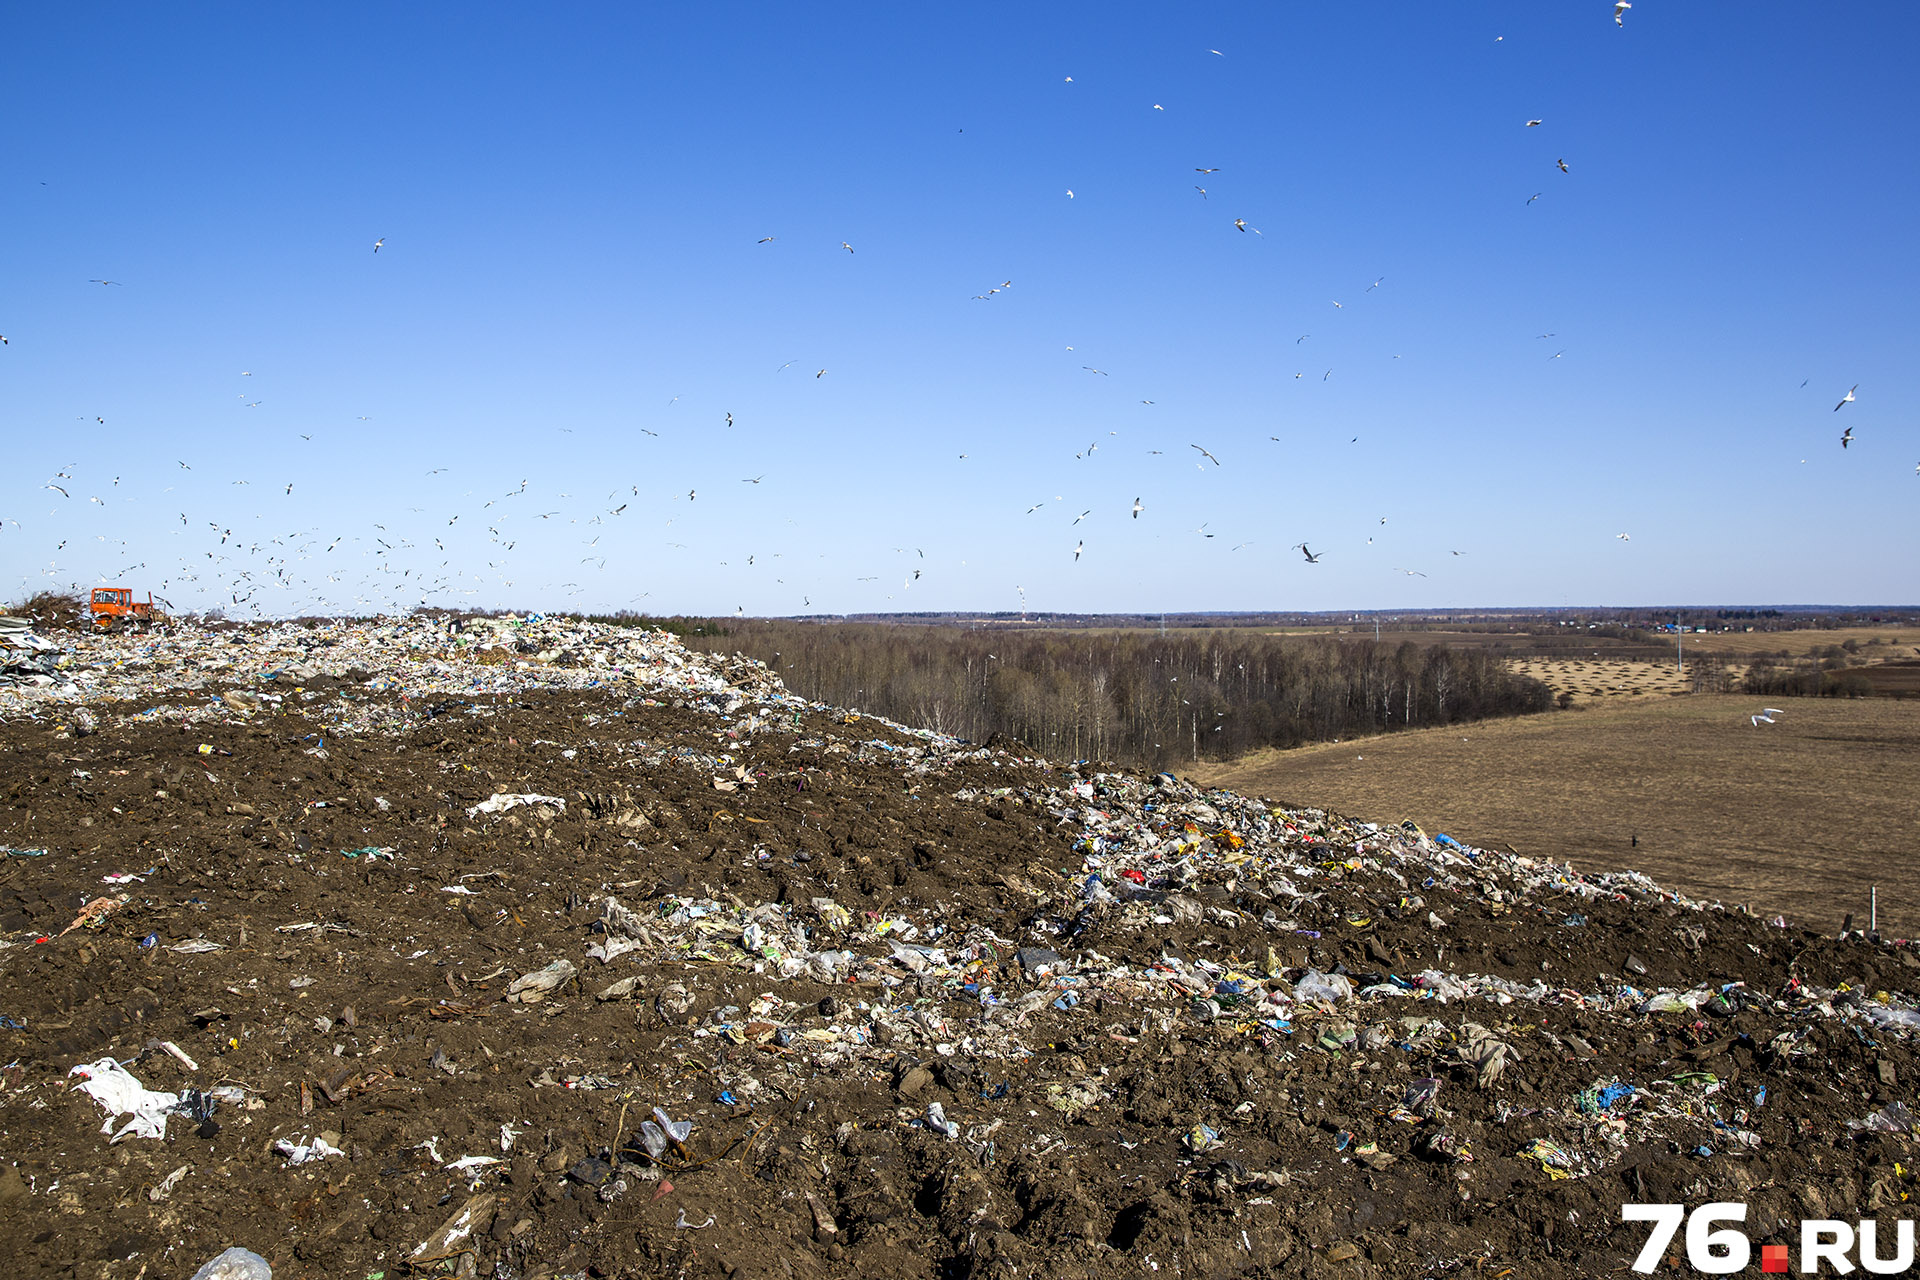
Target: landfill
534 948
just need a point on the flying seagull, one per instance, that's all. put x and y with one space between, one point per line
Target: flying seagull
1624 537
1203 453
1078 547
1847 398
1758 719
1138 508
1562 166
1532 123
846 246
1082 516
1535 196
1206 170
765 240
377 243
1242 224
1620 8
1411 573
1301 547
1846 437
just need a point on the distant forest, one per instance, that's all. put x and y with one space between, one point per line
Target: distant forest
1130 696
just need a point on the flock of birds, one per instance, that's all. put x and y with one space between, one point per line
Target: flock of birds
398 571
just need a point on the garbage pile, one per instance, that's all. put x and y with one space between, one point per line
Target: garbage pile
29 660
209 673
532 948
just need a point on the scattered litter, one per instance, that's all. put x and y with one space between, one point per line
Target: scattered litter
534 987
304 1151
166 1185
502 802
235 1264
119 1094
455 1235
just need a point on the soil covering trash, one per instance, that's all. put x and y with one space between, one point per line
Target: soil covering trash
440 952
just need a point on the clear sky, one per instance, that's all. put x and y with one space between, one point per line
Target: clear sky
573 295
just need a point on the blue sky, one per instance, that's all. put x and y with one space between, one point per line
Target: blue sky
572 294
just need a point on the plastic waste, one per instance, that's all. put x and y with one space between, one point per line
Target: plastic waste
938 1122
455 1235
1893 1118
531 988
235 1264
503 801
1315 985
114 1088
305 1152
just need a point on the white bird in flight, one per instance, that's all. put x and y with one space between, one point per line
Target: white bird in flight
1623 537
1203 453
1301 547
377 243
1847 398
1138 508
1078 548
1620 8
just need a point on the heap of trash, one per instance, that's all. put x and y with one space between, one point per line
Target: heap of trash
536 948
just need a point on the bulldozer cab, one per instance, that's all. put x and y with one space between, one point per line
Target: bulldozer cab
115 607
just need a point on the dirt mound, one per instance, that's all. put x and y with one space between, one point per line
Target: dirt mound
420 959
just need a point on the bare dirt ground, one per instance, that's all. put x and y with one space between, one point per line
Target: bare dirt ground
1799 816
933 1011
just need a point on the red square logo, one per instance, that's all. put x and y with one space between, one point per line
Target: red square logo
1773 1257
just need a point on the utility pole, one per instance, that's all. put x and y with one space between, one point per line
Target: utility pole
1679 649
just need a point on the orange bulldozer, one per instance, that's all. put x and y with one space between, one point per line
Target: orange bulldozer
114 608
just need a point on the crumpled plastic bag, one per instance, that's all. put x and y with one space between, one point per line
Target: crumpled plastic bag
304 1152
503 801
1893 1118
1485 1052
236 1264
114 1088
1676 1001
531 988
1315 985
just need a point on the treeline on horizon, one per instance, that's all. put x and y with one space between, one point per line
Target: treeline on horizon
1129 696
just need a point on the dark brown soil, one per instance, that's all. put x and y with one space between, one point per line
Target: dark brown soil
354 996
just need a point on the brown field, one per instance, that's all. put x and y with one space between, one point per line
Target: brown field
1894 641
1799 817
1589 679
